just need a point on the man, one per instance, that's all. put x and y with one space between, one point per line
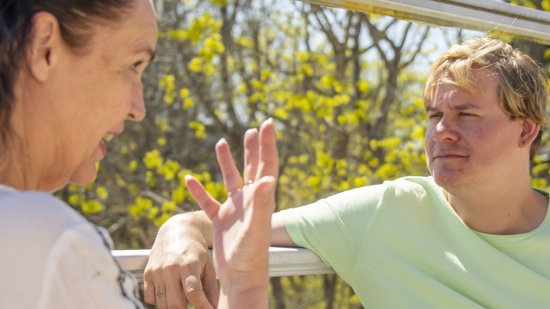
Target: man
475 234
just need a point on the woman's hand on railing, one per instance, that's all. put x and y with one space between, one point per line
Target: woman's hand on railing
179 270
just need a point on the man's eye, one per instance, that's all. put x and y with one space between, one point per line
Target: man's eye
467 115
434 116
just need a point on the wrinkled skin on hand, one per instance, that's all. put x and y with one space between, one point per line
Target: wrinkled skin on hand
240 235
180 271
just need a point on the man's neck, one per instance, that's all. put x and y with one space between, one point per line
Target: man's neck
506 211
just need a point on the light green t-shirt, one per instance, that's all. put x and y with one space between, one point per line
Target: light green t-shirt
401 245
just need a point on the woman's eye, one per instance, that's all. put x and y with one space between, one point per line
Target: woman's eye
135 67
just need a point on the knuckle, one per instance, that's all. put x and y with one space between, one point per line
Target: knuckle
147 275
193 257
172 268
150 298
193 294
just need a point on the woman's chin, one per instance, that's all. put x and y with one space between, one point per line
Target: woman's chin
84 175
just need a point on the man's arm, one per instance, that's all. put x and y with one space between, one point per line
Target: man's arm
279 234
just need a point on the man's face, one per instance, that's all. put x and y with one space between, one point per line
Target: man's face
470 141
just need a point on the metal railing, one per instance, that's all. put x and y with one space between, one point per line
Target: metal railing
282 262
483 15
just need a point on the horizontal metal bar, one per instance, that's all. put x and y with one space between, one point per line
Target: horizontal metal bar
486 15
282 262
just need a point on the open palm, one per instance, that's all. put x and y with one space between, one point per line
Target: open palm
242 224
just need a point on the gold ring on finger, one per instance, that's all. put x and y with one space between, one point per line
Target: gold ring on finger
229 193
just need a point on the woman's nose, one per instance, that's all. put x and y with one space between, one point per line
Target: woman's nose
137 108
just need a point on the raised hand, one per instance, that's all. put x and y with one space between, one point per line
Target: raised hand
242 224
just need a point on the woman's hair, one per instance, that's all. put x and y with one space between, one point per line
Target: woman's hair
75 17
523 86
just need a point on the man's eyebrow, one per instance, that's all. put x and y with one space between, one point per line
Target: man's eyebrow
430 108
457 107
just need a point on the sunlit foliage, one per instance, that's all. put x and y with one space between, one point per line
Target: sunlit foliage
345 91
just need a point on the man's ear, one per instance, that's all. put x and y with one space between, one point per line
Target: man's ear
530 130
44 45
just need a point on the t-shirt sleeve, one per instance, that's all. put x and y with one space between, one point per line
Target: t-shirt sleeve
81 273
334 227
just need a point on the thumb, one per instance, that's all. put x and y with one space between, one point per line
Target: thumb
209 204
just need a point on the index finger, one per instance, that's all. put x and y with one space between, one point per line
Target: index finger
194 293
231 176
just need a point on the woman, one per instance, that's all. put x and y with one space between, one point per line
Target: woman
70 77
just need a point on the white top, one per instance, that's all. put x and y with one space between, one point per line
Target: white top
52 257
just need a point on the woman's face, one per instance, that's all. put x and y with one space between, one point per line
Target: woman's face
76 102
